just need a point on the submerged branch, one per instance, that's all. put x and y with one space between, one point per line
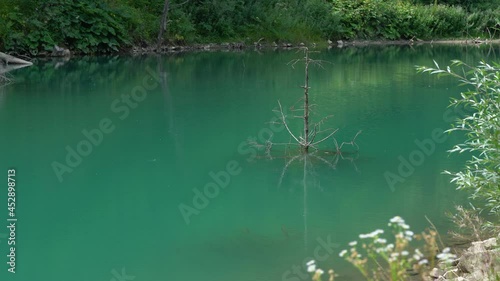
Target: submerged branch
353 141
283 172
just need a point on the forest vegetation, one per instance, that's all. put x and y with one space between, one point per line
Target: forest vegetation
33 27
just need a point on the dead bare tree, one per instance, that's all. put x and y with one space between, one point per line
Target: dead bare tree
163 23
309 137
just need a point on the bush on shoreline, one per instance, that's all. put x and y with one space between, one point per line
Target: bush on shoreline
481 175
91 26
84 26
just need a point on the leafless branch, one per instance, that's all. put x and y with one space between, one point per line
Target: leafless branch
325 138
292 63
296 102
436 230
283 118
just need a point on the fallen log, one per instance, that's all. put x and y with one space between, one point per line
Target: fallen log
8 59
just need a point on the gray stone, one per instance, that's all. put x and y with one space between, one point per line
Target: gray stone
60 52
477 261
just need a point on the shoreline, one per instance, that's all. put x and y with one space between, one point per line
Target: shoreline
240 46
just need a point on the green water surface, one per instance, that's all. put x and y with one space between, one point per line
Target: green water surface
116 208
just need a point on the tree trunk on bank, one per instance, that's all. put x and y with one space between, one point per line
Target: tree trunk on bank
8 59
163 24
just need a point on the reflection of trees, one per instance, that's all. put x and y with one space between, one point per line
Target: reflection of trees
169 107
77 75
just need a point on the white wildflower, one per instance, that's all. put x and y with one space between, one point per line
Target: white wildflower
341 254
371 234
319 271
381 241
404 253
353 243
311 268
418 255
424 261
409 233
446 256
397 219
311 262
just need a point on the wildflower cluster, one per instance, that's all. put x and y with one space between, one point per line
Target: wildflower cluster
446 257
391 260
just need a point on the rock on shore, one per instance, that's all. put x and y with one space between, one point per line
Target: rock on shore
480 262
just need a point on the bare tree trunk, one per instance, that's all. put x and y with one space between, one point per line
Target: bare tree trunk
306 104
163 24
13 60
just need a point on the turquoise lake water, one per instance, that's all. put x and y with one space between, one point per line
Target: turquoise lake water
111 155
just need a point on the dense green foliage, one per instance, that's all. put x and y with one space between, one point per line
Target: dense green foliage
90 26
85 26
481 176
468 4
401 20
